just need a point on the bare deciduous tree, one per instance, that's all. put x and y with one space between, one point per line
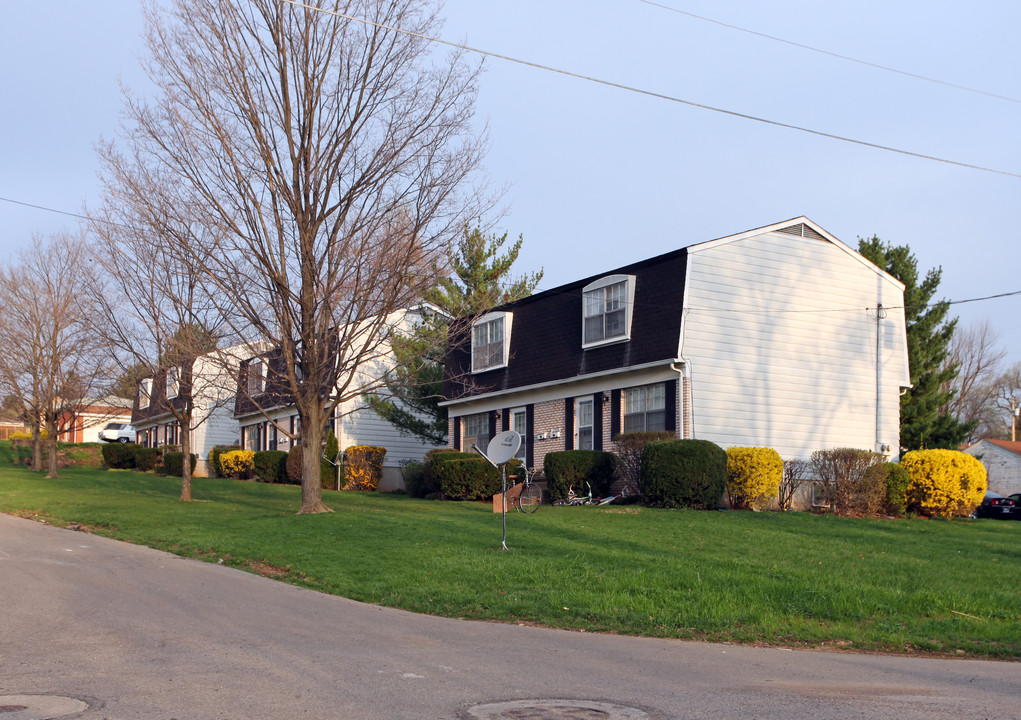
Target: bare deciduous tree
324 158
1008 398
150 303
51 361
974 352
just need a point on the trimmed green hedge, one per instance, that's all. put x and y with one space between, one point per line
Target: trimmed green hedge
684 473
270 466
469 478
120 456
568 468
146 459
173 463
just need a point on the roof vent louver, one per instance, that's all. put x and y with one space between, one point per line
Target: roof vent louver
801 230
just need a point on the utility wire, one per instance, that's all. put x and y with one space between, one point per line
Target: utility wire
821 51
650 93
554 291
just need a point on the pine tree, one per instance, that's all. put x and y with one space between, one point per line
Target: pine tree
479 281
923 424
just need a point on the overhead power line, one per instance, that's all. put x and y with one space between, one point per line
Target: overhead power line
651 93
821 51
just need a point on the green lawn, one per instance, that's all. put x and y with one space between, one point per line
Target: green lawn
785 579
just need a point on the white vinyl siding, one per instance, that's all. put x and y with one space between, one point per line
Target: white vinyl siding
782 346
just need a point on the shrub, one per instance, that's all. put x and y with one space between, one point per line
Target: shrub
430 483
328 468
146 459
468 478
363 467
944 483
753 476
238 464
119 456
293 466
22 435
173 463
214 458
796 474
629 448
568 468
413 473
897 481
848 486
270 466
683 473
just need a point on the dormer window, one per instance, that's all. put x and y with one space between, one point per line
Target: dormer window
144 393
607 310
490 341
256 378
173 382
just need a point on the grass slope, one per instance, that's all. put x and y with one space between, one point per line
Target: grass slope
787 579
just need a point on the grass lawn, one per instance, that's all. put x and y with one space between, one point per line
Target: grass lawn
794 579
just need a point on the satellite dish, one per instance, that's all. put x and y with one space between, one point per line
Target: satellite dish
503 447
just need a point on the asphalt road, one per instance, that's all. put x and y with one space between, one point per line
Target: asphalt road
137 633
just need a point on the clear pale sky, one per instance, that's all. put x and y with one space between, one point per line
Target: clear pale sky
598 177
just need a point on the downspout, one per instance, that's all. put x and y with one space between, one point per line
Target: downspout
880 314
686 416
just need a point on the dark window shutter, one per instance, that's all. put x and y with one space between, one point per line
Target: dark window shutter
492 424
671 405
597 421
569 423
530 429
457 433
505 419
615 414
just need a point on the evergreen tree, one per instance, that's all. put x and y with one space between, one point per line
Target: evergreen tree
479 280
923 422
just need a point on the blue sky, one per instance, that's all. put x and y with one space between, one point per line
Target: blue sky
599 177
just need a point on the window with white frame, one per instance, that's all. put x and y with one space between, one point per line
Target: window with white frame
519 424
173 382
583 419
256 377
606 310
144 392
645 408
475 430
490 341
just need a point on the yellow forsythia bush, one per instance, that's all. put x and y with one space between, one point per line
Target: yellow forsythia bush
363 467
944 483
753 476
237 463
22 435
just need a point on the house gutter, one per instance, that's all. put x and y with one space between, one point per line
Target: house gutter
554 383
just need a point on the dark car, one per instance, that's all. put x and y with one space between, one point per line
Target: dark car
996 506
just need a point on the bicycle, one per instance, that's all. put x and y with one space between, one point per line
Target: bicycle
530 497
574 499
624 492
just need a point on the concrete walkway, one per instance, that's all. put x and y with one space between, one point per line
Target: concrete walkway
136 633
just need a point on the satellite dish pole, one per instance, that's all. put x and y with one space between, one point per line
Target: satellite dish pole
502 448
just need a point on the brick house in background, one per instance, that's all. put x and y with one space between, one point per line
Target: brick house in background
1002 461
768 338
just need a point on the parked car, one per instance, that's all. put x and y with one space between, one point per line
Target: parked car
994 505
117 432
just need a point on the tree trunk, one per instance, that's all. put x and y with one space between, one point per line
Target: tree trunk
311 466
51 443
37 449
185 460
